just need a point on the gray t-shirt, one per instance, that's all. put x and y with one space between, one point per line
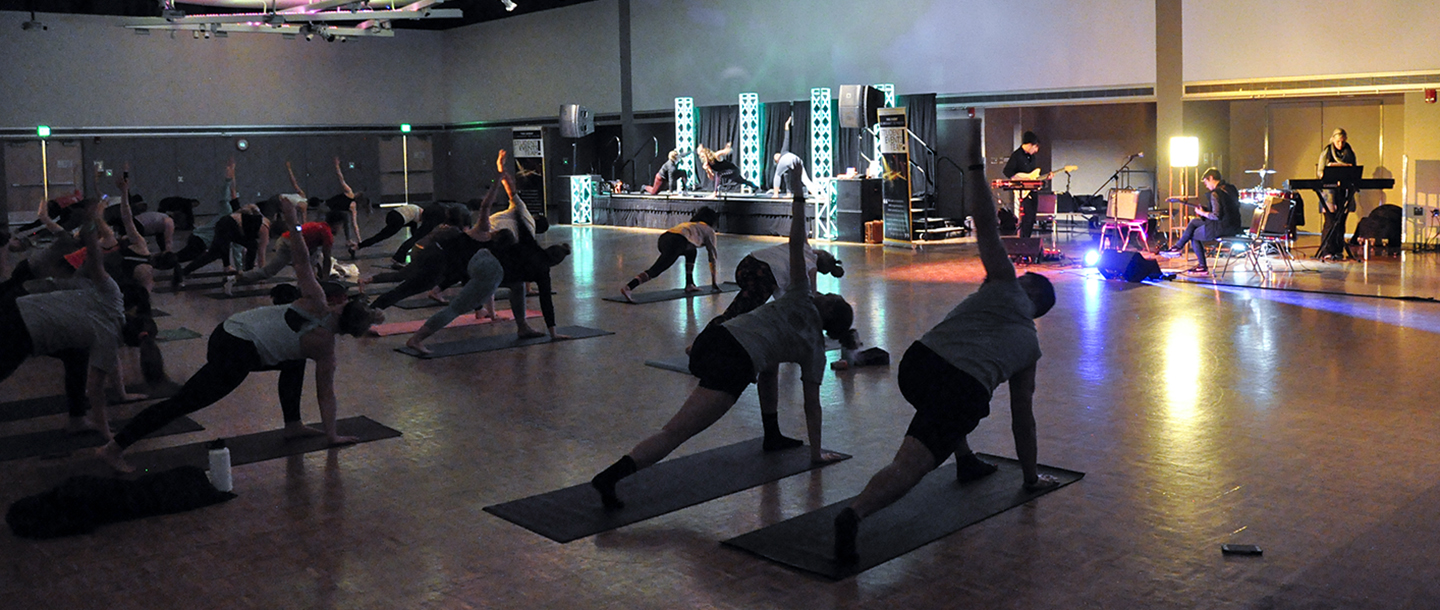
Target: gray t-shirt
990 335
272 335
777 257
787 329
84 315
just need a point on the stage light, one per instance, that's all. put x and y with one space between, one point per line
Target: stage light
509 5
404 128
1092 257
1184 151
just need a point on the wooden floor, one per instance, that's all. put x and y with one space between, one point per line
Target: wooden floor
1201 414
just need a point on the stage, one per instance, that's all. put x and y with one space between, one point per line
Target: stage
739 213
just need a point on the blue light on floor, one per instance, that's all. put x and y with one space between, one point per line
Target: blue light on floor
1092 258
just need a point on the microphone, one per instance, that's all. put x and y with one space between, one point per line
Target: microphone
1139 155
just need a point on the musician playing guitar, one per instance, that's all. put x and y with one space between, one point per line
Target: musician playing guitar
1022 166
1219 216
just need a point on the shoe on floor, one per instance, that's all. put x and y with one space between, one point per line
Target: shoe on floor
1197 272
1169 253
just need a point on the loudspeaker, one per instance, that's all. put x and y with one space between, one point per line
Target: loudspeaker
576 121
860 105
1131 204
1127 265
1023 246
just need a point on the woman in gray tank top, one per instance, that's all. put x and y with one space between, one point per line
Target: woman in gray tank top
264 339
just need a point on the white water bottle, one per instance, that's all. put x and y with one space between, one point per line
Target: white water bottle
220 465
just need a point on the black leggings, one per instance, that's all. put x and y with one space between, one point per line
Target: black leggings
426 226
16 346
227 231
394 221
672 246
229 360
422 274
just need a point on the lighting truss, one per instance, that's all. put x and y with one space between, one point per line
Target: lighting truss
750 165
329 19
685 134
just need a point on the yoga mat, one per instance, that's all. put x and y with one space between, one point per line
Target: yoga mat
366 256
260 446
157 313
163 284
575 512
176 334
655 296
59 443
53 405
476 345
405 328
937 507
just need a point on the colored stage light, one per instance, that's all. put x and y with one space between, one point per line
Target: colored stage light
1092 257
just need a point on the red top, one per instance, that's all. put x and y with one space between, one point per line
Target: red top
316 234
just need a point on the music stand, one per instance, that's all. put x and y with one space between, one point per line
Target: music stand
1129 213
1342 175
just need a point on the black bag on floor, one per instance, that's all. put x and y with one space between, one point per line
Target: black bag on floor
83 503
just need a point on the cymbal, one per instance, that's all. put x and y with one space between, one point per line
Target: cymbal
1260 171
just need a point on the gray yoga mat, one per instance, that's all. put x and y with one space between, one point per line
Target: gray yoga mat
937 507
575 512
260 446
53 405
656 296
61 443
176 334
491 343
241 292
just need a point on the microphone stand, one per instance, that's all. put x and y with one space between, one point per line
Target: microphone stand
1115 177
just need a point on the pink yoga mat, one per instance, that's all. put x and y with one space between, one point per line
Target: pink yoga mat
405 328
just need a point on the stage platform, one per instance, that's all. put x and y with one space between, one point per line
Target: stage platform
739 213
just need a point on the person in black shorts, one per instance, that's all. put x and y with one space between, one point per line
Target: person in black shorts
949 374
728 357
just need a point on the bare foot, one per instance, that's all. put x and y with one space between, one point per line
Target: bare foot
435 296
625 292
114 457
81 425
418 346
692 288
296 429
344 440
529 333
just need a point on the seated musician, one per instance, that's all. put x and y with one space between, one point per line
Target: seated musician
1219 216
1022 166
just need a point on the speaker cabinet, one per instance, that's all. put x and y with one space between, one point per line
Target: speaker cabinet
1028 247
860 105
1127 265
576 121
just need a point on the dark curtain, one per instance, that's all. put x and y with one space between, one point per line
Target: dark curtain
920 115
717 126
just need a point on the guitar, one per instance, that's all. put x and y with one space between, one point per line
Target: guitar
1035 175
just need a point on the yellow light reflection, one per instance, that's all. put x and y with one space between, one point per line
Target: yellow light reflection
1182 367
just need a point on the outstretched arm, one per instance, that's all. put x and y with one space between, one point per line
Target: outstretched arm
982 209
295 183
138 243
300 257
344 188
1022 423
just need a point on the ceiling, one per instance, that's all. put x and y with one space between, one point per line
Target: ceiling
476 11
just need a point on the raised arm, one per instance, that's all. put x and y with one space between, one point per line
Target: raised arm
799 278
982 209
344 188
481 229
300 256
138 243
295 183
43 215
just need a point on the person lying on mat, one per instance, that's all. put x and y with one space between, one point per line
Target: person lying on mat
682 240
726 357
263 339
949 374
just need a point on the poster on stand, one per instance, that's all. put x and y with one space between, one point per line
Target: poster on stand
895 176
528 146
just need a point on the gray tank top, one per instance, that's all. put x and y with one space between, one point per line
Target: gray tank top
275 338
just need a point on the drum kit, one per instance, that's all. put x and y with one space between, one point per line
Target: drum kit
1257 195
